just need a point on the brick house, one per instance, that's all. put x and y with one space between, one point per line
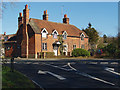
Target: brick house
7 44
35 36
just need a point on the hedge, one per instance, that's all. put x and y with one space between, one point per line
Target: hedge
80 52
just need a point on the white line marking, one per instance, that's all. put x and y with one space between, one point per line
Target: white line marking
71 67
42 72
87 75
112 71
58 67
57 76
84 74
53 74
65 66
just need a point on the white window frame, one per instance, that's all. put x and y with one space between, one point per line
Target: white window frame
44 46
64 34
44 35
53 33
74 46
82 36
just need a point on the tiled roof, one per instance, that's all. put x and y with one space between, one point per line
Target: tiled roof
38 25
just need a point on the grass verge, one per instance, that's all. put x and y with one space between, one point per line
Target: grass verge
15 79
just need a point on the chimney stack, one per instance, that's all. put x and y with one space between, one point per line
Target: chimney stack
26 15
45 15
4 33
20 19
25 41
66 19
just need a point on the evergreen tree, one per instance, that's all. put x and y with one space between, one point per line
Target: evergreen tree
92 33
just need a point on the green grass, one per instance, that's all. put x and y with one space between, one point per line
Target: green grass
15 79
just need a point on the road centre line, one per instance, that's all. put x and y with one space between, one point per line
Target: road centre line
53 74
81 73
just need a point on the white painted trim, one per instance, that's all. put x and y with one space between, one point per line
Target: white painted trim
82 34
64 33
45 30
55 31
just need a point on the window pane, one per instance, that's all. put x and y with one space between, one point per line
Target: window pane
45 46
74 46
44 35
64 36
82 38
55 36
82 46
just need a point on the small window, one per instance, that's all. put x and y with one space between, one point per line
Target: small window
74 46
82 46
44 46
64 35
44 33
82 37
55 35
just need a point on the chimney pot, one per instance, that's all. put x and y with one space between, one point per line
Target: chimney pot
45 15
4 33
26 6
20 14
65 16
65 19
46 11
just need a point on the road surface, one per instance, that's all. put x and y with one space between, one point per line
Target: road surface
71 73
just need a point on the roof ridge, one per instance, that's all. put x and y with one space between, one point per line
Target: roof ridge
53 22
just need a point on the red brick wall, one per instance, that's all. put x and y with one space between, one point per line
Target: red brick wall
31 44
70 41
9 53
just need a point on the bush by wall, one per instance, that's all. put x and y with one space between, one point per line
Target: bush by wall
49 54
80 52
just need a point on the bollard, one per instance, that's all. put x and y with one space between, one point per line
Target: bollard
12 64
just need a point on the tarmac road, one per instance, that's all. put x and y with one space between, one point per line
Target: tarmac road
71 73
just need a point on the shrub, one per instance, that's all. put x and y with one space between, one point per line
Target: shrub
49 54
80 52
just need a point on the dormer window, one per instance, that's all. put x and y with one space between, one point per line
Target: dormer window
82 36
44 33
55 33
64 35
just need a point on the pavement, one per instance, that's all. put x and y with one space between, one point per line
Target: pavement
71 73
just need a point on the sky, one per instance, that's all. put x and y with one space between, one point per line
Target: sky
102 15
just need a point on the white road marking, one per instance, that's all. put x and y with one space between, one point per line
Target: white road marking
87 75
42 72
112 71
58 67
53 74
57 76
71 67
84 74
64 65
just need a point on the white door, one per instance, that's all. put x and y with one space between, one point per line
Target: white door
55 52
55 48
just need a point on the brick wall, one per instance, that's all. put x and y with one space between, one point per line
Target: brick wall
70 41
